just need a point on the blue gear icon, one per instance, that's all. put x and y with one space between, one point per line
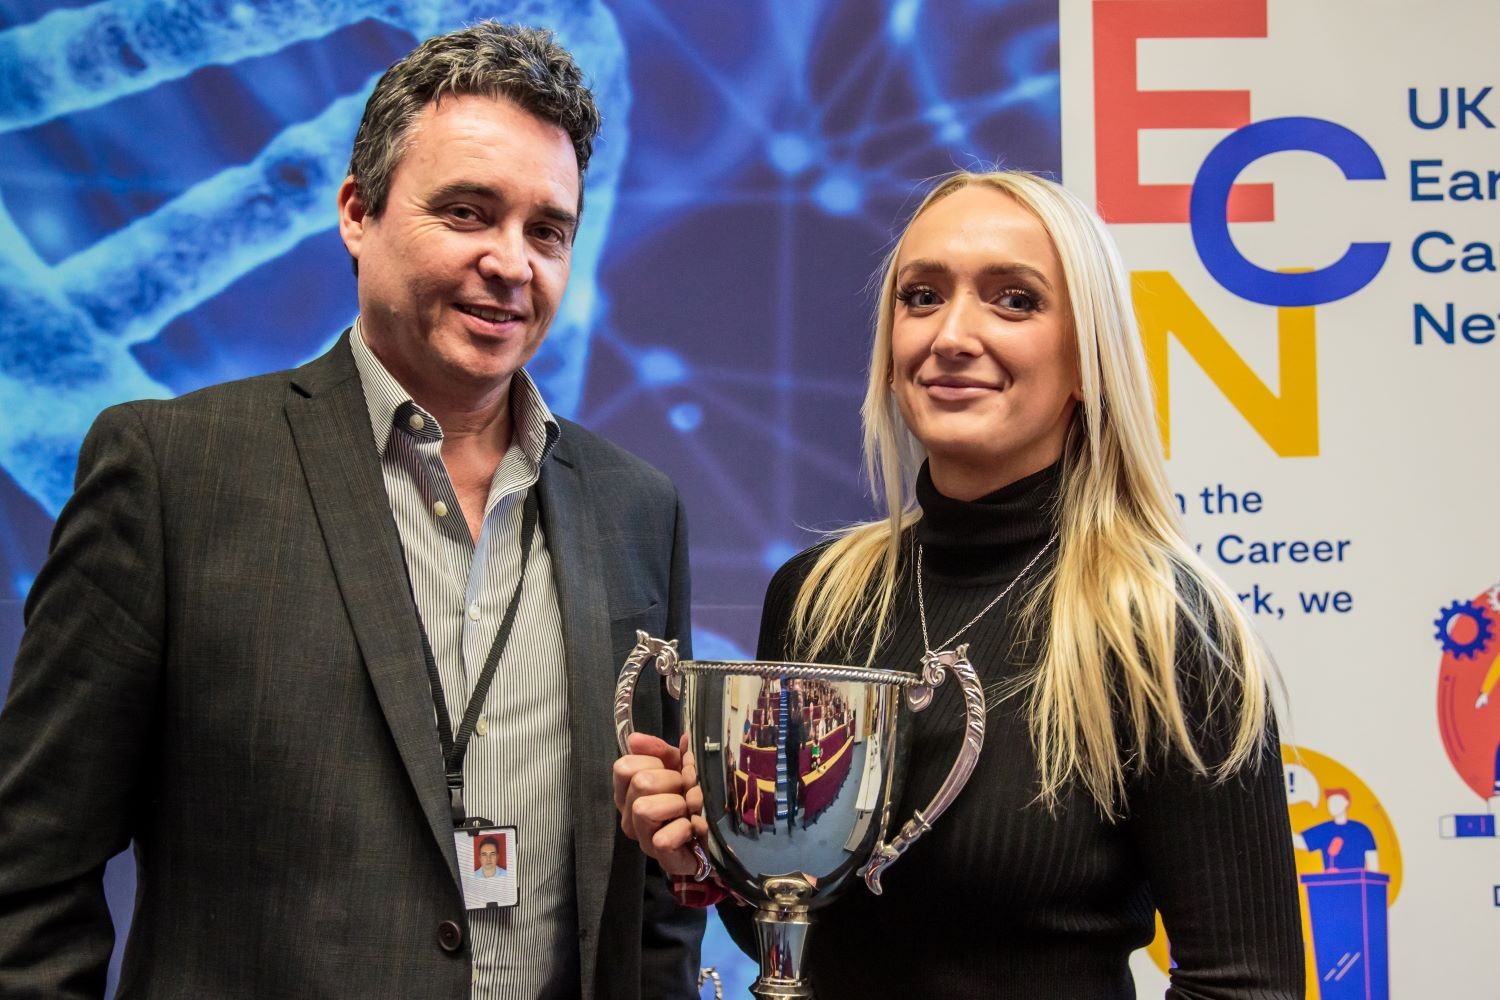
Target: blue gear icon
1483 630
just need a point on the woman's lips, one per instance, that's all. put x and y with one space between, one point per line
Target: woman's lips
957 390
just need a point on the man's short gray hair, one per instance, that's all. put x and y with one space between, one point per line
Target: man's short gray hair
490 59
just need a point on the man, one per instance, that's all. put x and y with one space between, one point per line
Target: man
792 695
489 858
491 884
260 645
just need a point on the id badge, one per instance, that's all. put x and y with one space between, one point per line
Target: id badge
487 865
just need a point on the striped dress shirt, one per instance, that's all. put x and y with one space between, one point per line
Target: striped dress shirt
516 767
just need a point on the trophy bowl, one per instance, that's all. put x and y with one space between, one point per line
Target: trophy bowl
796 763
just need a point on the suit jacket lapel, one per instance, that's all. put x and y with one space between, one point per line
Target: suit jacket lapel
583 605
330 425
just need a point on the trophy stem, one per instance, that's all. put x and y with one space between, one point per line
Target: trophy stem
781 928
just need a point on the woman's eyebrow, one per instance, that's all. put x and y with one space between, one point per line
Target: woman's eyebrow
923 265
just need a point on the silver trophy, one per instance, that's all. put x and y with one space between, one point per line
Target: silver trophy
796 761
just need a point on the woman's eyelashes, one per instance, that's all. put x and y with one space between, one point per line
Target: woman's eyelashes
1017 299
917 296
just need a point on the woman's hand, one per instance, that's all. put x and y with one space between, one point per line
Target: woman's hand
660 804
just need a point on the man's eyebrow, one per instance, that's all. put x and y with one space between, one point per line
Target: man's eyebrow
923 265
470 189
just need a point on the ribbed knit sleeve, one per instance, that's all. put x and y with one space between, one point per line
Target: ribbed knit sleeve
1217 854
1217 857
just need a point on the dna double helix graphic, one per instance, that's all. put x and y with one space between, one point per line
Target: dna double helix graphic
67 328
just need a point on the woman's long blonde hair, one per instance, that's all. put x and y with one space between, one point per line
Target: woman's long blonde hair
1115 598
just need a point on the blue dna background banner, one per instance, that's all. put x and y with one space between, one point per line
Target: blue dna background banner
167 222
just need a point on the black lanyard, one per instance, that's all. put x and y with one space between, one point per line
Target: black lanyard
454 747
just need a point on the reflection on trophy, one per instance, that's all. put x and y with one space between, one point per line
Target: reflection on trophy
796 762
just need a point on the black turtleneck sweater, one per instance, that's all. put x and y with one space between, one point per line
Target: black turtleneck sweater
1003 899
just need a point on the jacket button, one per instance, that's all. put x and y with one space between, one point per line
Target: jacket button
450 935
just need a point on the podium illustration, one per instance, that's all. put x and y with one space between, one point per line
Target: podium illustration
1349 933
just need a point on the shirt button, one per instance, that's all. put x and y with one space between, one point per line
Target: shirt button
415 422
440 509
482 727
473 612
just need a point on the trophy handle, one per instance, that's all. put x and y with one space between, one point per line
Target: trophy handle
666 664
934 668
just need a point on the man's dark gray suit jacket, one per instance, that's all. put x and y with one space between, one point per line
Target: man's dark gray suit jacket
222 662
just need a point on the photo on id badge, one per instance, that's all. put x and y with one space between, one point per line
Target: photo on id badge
487 858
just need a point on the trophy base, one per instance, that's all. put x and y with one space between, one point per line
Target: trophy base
781 927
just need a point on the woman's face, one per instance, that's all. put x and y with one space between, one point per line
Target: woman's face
984 366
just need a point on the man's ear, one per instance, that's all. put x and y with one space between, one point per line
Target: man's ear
353 216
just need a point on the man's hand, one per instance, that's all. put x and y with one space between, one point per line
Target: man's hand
660 804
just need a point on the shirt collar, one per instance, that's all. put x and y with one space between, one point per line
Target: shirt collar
535 429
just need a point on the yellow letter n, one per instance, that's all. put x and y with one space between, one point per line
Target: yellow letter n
1288 422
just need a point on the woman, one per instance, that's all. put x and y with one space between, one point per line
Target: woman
1130 762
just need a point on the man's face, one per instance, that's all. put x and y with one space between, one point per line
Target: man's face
461 274
488 857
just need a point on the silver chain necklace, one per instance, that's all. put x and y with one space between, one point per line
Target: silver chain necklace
922 601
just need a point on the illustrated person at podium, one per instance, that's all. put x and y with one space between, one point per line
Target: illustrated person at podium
1130 761
1346 844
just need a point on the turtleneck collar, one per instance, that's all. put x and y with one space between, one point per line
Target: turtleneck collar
976 541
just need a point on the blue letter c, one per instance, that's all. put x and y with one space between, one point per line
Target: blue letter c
1209 215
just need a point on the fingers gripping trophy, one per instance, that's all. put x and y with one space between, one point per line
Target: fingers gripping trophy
795 763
